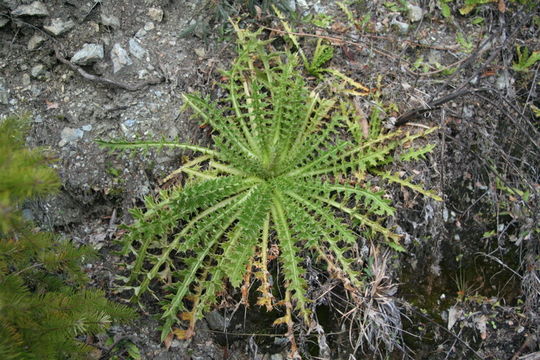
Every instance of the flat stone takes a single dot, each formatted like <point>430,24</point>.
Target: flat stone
<point>88,54</point>
<point>402,27</point>
<point>69,135</point>
<point>26,79</point>
<point>200,52</point>
<point>10,4</point>
<point>38,71</point>
<point>110,20</point>
<point>415,13</point>
<point>302,5</point>
<point>143,74</point>
<point>290,4</point>
<point>502,81</point>
<point>120,58</point>
<point>149,26</point>
<point>36,8</point>
<point>59,26</point>
<point>136,49</point>
<point>155,14</point>
<point>35,41</point>
<point>140,34</point>
<point>216,321</point>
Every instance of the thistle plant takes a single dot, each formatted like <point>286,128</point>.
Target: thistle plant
<point>283,181</point>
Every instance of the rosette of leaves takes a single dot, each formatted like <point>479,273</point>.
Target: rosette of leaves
<point>281,181</point>
<point>44,304</point>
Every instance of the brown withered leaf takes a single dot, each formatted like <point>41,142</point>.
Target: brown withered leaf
<point>362,119</point>
<point>502,6</point>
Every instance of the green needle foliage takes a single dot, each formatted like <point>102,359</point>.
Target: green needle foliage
<point>44,305</point>
<point>282,180</point>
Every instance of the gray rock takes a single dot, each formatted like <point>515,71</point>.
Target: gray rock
<point>200,52</point>
<point>468,112</point>
<point>3,21</point>
<point>277,356</point>
<point>401,26</point>
<point>28,215</point>
<point>10,4</point>
<point>216,321</point>
<point>143,74</point>
<point>35,42</point>
<point>38,71</point>
<point>119,57</point>
<point>26,79</point>
<point>140,34</point>
<point>415,13</point>
<point>149,26</point>
<point>4,93</point>
<point>302,5</point>
<point>502,81</point>
<point>130,122</point>
<point>59,26</point>
<point>155,14</point>
<point>136,49</point>
<point>290,4</point>
<point>69,135</point>
<point>110,20</point>
<point>36,8</point>
<point>88,54</point>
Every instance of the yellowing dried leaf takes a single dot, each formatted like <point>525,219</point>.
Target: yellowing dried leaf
<point>362,119</point>
<point>282,320</point>
<point>183,334</point>
<point>186,316</point>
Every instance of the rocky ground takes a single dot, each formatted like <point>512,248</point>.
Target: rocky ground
<point>468,285</point>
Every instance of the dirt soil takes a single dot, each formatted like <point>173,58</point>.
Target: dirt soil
<point>468,285</point>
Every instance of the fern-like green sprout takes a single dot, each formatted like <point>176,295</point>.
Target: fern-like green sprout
<point>281,178</point>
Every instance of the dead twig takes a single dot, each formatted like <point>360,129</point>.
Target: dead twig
<point>103,80</point>
<point>334,40</point>
<point>432,105</point>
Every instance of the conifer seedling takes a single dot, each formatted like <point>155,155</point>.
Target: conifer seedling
<point>46,309</point>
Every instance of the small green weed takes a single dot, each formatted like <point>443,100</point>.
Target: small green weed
<point>362,24</point>
<point>321,20</point>
<point>445,8</point>
<point>525,59</point>
<point>322,54</point>
<point>397,6</point>
<point>470,5</point>
<point>123,350</point>
<point>466,45</point>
